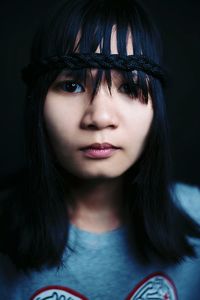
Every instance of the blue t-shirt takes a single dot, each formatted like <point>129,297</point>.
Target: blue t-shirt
<point>100,267</point>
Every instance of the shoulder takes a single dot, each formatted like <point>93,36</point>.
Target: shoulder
<point>188,198</point>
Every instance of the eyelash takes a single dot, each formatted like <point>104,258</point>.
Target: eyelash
<point>128,90</point>
<point>73,85</point>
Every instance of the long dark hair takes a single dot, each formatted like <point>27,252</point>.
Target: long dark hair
<point>34,223</point>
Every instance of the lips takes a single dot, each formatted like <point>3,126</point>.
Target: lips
<point>99,146</point>
<point>99,151</point>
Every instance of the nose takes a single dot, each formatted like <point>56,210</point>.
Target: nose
<point>101,112</point>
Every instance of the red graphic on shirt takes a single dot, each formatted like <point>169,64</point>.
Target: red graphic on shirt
<point>156,286</point>
<point>57,293</point>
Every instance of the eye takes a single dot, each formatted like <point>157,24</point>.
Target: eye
<point>129,90</point>
<point>125,88</point>
<point>71,87</point>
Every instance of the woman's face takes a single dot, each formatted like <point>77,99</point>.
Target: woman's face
<point>74,122</point>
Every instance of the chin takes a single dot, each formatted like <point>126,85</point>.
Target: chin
<point>97,175</point>
<point>101,171</point>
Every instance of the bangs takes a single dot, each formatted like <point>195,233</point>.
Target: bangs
<point>133,84</point>
<point>87,27</point>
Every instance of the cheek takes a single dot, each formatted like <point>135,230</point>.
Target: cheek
<point>138,127</point>
<point>141,125</point>
<point>59,123</point>
<point>139,120</point>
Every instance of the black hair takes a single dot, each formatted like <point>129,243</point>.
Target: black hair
<point>34,224</point>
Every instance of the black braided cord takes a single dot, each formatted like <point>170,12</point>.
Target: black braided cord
<point>77,61</point>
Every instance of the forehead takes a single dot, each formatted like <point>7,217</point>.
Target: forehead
<point>113,42</point>
<point>113,50</point>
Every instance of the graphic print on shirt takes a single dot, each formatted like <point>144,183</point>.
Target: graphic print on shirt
<point>57,293</point>
<point>157,286</point>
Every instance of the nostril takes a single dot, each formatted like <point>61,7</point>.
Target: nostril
<point>95,119</point>
<point>91,126</point>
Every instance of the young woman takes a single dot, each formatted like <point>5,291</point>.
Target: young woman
<point>96,215</point>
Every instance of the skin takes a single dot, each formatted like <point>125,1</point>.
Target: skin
<point>73,121</point>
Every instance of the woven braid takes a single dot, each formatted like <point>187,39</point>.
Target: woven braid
<point>77,61</point>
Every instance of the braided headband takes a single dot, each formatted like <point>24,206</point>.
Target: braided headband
<point>78,61</point>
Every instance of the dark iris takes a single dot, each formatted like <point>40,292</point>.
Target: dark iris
<point>130,90</point>
<point>72,87</point>
<point>125,88</point>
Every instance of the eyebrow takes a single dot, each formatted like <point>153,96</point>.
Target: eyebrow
<point>80,74</point>
<point>67,73</point>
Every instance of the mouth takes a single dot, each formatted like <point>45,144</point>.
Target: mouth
<point>99,151</point>
<point>99,146</point>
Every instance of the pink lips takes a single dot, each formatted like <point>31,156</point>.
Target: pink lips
<point>99,150</point>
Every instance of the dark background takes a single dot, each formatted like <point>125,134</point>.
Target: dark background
<point>179,24</point>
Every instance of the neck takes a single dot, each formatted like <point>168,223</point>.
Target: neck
<point>96,204</point>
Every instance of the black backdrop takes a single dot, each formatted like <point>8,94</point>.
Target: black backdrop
<point>179,24</point>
